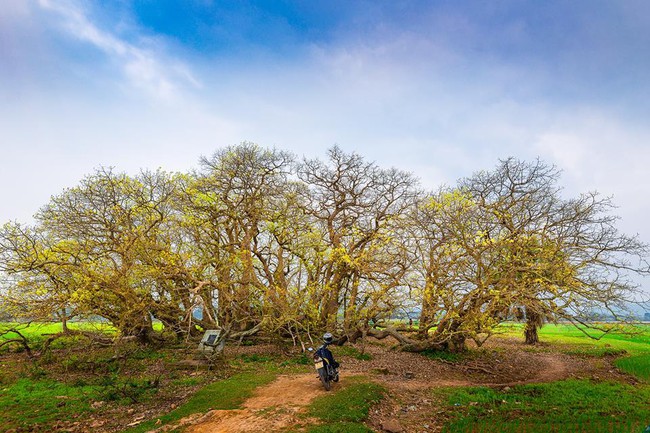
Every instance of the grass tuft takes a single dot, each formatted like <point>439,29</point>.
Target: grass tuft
<point>445,356</point>
<point>350,404</point>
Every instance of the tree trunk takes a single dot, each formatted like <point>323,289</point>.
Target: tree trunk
<point>530,331</point>
<point>534,321</point>
<point>428,312</point>
<point>349,320</point>
<point>456,344</point>
<point>448,335</point>
<point>64,323</point>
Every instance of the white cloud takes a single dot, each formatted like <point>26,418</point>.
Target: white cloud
<point>565,148</point>
<point>145,68</point>
<point>597,150</point>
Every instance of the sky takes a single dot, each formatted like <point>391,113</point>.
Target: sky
<point>438,88</point>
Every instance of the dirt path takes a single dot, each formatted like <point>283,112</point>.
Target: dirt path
<point>279,404</point>
<point>271,408</point>
<point>408,378</point>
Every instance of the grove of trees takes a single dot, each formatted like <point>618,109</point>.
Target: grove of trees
<point>256,240</point>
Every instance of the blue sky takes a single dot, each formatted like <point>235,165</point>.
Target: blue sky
<point>439,88</point>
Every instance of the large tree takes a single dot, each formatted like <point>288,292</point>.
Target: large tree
<point>97,247</point>
<point>42,278</point>
<point>506,242</point>
<point>358,208</point>
<point>559,258</point>
<point>231,201</point>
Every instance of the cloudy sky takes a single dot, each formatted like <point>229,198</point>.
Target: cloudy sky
<point>439,88</point>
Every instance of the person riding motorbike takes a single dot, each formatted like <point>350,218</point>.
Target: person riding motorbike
<point>327,354</point>
<point>326,365</point>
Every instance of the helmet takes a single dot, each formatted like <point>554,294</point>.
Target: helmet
<point>328,338</point>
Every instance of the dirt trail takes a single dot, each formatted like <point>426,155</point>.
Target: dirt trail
<point>271,408</point>
<point>280,403</point>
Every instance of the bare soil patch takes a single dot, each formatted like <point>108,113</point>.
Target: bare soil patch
<point>492,367</point>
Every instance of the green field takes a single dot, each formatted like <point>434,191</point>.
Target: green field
<point>36,333</point>
<point>631,344</point>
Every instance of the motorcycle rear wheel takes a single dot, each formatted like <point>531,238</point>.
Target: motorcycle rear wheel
<point>324,379</point>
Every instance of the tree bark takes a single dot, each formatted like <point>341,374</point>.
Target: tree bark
<point>533,322</point>
<point>530,331</point>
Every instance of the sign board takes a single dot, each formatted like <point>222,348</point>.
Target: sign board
<point>210,342</point>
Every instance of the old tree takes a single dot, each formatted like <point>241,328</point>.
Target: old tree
<point>257,241</point>
<point>505,243</point>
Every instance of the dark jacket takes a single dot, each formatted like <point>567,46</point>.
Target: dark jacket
<point>325,353</point>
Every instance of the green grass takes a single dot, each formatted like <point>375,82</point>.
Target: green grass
<point>273,362</point>
<point>344,410</point>
<point>629,338</point>
<point>29,404</point>
<point>637,365</point>
<point>37,333</point>
<point>340,427</point>
<point>226,394</point>
<point>565,406</point>
<point>445,356</point>
<point>255,358</point>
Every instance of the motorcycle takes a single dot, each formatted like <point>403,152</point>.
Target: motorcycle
<point>327,373</point>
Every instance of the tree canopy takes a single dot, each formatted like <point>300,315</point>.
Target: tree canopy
<point>256,239</point>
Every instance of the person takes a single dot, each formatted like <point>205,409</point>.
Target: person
<point>327,340</point>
